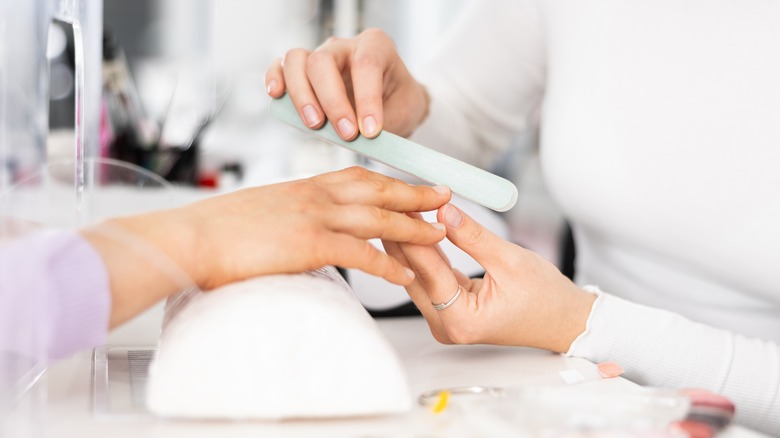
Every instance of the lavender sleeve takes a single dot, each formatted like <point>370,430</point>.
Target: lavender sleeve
<point>54,295</point>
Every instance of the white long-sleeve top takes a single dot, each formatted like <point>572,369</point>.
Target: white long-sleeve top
<point>660,139</point>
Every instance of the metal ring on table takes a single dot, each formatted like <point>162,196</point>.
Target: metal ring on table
<point>428,397</point>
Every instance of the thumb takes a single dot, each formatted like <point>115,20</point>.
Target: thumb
<point>470,236</point>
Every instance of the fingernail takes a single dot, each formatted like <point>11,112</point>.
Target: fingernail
<point>311,116</point>
<point>439,226</point>
<point>609,369</point>
<point>444,190</point>
<point>346,128</point>
<point>452,216</point>
<point>369,126</point>
<point>271,86</point>
<point>409,273</point>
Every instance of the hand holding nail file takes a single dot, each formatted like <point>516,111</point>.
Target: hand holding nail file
<point>468,181</point>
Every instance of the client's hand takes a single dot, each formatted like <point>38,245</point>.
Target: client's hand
<point>523,300</point>
<point>280,228</point>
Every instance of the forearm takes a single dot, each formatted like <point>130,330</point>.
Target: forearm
<point>660,348</point>
<point>144,257</point>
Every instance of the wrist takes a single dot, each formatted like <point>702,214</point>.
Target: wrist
<point>576,310</point>
<point>169,233</point>
<point>141,268</point>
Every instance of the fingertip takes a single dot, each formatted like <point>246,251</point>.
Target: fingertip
<point>471,236</point>
<point>312,117</point>
<point>369,126</point>
<point>450,216</point>
<point>346,128</point>
<point>274,89</point>
<point>442,190</point>
<point>440,233</point>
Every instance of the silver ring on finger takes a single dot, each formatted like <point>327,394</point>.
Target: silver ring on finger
<point>442,306</point>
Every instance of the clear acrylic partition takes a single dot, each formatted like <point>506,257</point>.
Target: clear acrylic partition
<point>24,95</point>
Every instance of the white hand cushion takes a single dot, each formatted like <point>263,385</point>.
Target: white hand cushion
<point>283,346</point>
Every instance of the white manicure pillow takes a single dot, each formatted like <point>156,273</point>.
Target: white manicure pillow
<point>277,347</point>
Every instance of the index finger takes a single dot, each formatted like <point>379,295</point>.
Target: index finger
<point>357,185</point>
<point>394,196</point>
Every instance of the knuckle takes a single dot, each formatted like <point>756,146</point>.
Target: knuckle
<point>358,173</point>
<point>316,59</point>
<point>374,33</point>
<point>476,236</point>
<point>378,186</point>
<point>367,61</point>
<point>423,274</point>
<point>421,195</point>
<point>379,215</point>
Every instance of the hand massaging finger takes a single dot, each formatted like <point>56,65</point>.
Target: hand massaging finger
<point>468,181</point>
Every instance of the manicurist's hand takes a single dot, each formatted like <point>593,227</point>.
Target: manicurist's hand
<point>359,84</point>
<point>281,228</point>
<point>523,299</point>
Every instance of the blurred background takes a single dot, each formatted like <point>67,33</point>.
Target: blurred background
<point>184,97</point>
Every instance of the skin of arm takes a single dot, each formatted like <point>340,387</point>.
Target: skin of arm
<point>281,228</point>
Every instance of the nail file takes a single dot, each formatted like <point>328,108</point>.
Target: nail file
<point>468,181</point>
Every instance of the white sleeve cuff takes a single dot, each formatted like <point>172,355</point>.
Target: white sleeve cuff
<point>582,338</point>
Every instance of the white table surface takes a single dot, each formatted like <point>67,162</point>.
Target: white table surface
<point>429,365</point>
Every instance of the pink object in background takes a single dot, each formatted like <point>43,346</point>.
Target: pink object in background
<point>106,131</point>
<point>609,369</point>
<point>709,413</point>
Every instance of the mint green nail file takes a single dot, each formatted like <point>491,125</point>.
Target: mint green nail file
<point>468,181</point>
